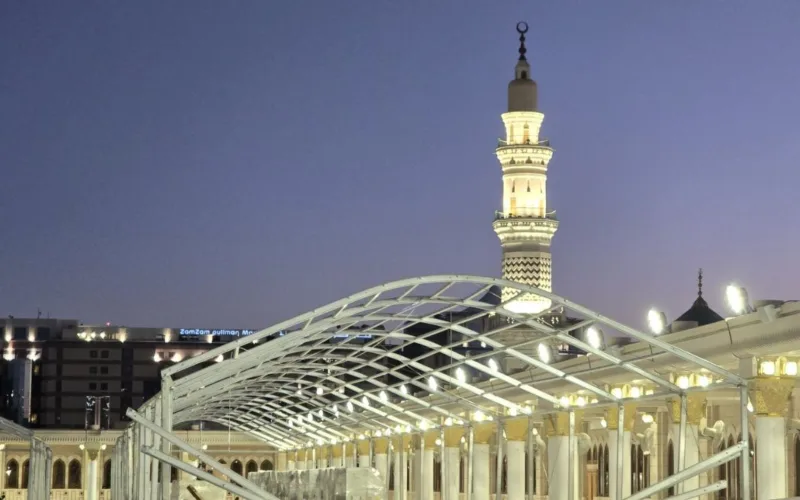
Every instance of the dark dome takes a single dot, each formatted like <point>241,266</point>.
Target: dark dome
<point>700,313</point>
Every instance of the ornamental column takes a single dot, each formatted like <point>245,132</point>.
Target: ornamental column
<point>770,397</point>
<point>336,456</point>
<point>614,428</point>
<point>349,455</point>
<point>516,440</point>
<point>695,411</point>
<point>481,475</point>
<point>282,464</point>
<point>559,454</point>
<point>91,475</point>
<point>291,463</point>
<point>400,446</point>
<point>451,463</point>
<point>381,446</point>
<point>427,450</point>
<point>363,453</point>
<point>321,456</point>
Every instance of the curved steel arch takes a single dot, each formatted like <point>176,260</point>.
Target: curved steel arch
<point>409,372</point>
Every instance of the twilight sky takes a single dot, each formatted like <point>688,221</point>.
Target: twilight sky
<point>201,163</point>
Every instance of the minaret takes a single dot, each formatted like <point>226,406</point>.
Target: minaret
<point>525,226</point>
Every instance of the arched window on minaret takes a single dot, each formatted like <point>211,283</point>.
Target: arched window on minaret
<point>510,138</point>
<point>526,134</point>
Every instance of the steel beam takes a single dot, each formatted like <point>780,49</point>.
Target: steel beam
<point>207,459</point>
<point>711,488</point>
<point>720,458</point>
<point>229,487</point>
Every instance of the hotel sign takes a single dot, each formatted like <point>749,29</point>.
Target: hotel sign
<point>196,332</point>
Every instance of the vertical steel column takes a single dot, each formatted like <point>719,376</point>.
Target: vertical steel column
<point>390,471</point>
<point>155,442</point>
<point>166,446</point>
<point>400,472</point>
<point>498,487</point>
<point>444,488</point>
<point>138,492</point>
<point>572,454</point>
<point>682,442</point>
<point>128,461</point>
<point>529,458</point>
<point>470,463</point>
<point>745,423</point>
<point>620,450</point>
<point>371,458</point>
<point>419,474</point>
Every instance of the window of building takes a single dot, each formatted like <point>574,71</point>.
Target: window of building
<point>92,370</point>
<point>92,386</point>
<point>104,370</point>
<point>93,354</point>
<point>104,354</point>
<point>104,386</point>
<point>20,333</point>
<point>43,333</point>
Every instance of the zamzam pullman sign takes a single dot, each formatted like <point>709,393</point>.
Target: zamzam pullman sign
<point>192,332</point>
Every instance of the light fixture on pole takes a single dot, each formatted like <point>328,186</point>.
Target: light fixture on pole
<point>656,321</point>
<point>545,353</point>
<point>737,300</point>
<point>594,337</point>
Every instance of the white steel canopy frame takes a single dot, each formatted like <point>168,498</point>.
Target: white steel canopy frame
<point>405,356</point>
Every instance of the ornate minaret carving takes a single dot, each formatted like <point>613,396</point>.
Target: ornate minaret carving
<point>525,225</point>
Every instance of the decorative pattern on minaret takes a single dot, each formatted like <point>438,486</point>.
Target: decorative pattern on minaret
<point>524,225</point>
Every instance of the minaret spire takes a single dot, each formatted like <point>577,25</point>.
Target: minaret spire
<point>522,28</point>
<point>525,225</point>
<point>700,282</point>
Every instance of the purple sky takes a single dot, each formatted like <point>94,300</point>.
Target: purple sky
<point>230,164</point>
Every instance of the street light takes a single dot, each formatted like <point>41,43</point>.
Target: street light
<point>656,321</point>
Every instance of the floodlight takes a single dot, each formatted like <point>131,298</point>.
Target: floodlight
<point>493,365</point>
<point>432,383</point>
<point>545,355</point>
<point>736,297</point>
<point>384,396</point>
<point>350,406</point>
<point>656,321</point>
<point>461,375</point>
<point>404,389</point>
<point>594,337</point>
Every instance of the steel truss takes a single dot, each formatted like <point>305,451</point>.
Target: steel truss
<point>40,462</point>
<point>393,359</point>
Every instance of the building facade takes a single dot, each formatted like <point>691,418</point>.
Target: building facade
<point>60,373</point>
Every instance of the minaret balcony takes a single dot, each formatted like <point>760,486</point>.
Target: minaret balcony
<point>500,215</point>
<point>544,143</point>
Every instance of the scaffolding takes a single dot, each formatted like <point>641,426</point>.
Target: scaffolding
<point>406,357</point>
